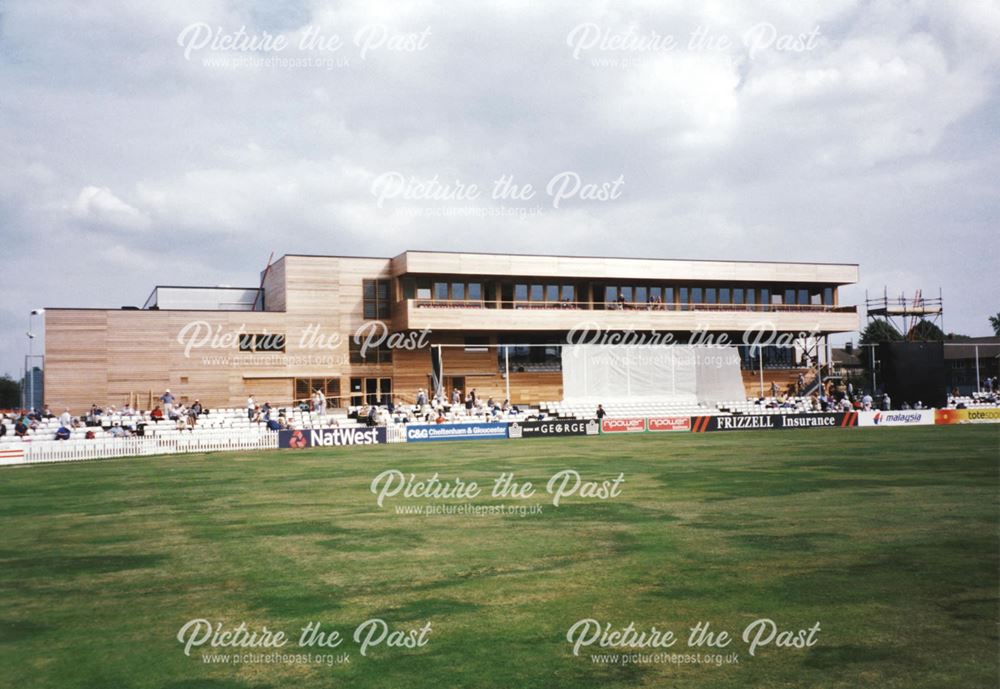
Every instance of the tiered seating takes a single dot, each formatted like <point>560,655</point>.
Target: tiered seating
<point>977,400</point>
<point>620,409</point>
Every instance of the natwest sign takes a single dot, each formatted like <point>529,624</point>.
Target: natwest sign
<point>623,425</point>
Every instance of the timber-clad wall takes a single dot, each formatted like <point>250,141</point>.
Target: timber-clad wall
<point>111,356</point>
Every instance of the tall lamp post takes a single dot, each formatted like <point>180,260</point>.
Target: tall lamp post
<point>28,365</point>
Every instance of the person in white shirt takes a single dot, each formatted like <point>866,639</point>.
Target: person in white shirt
<point>866,402</point>
<point>65,420</point>
<point>251,405</point>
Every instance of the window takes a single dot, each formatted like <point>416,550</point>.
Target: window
<point>266,342</point>
<point>370,391</point>
<point>520,293</point>
<point>724,295</point>
<point>458,291</point>
<point>765,296</point>
<point>423,288</point>
<point>738,295</point>
<point>475,291</point>
<point>610,294</point>
<point>656,293</point>
<point>751,295</point>
<point>789,296</point>
<point>684,298</point>
<point>381,354</point>
<point>668,295</point>
<point>376,298</point>
<point>552,293</point>
<point>641,295</point>
<point>803,297</point>
<point>828,296</point>
<point>568,293</point>
<point>627,293</point>
<point>710,295</point>
<point>537,293</point>
<point>441,290</point>
<point>330,387</point>
<point>696,295</point>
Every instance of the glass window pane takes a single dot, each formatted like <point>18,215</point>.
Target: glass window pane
<point>568,293</point>
<point>828,296</point>
<point>641,295</point>
<point>475,291</point>
<point>668,295</point>
<point>738,295</point>
<point>684,297</point>
<point>696,295</point>
<point>765,296</point>
<point>656,293</point>
<point>458,290</point>
<point>803,297</point>
<point>789,296</point>
<point>440,290</point>
<point>710,295</point>
<point>610,294</point>
<point>552,293</point>
<point>382,289</point>
<point>536,293</point>
<point>627,293</point>
<point>368,287</point>
<point>370,310</point>
<point>520,292</point>
<point>724,296</point>
<point>423,293</point>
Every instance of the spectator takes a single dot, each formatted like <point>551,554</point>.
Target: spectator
<point>21,427</point>
<point>156,415</point>
<point>800,384</point>
<point>866,402</point>
<point>89,435</point>
<point>774,388</point>
<point>168,402</point>
<point>886,402</point>
<point>65,420</point>
<point>266,411</point>
<point>63,433</point>
<point>118,432</point>
<point>3,428</point>
<point>251,406</point>
<point>600,413</point>
<point>47,413</point>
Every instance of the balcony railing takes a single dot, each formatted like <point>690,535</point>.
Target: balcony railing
<point>627,306</point>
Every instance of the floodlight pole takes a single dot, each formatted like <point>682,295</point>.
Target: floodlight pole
<point>760,368</point>
<point>506,370</point>
<point>979,386</point>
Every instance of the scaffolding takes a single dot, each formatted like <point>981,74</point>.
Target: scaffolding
<point>904,313</point>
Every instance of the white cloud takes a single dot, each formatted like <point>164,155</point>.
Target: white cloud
<point>98,206</point>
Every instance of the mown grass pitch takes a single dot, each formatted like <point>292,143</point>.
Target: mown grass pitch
<point>886,537</point>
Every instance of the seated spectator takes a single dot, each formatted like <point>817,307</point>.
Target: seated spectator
<point>118,432</point>
<point>21,427</point>
<point>63,433</point>
<point>273,425</point>
<point>156,415</point>
<point>47,413</point>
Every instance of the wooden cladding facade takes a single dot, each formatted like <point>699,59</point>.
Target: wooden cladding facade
<point>110,356</point>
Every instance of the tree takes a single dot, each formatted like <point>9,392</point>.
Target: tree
<point>995,322</point>
<point>879,331</point>
<point>925,331</point>
<point>10,393</point>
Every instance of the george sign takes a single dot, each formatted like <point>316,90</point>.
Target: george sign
<point>455,431</point>
<point>668,423</point>
<point>543,429</point>
<point>915,417</point>
<point>623,425</point>
<point>329,437</point>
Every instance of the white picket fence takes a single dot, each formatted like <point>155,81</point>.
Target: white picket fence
<point>72,451</point>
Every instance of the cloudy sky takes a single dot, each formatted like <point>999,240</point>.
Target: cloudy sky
<point>182,142</point>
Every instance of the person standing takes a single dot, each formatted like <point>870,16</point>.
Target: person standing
<point>251,405</point>
<point>168,402</point>
<point>600,412</point>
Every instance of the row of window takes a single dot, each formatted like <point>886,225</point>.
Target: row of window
<point>645,294</point>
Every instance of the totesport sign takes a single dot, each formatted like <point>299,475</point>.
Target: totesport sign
<point>951,416</point>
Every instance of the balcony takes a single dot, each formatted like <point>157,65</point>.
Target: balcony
<point>452,315</point>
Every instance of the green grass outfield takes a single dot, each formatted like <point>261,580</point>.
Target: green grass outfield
<point>887,537</point>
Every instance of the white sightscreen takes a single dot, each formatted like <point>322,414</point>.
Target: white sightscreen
<point>680,372</point>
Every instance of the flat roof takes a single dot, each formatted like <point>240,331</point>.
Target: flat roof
<point>570,256</point>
